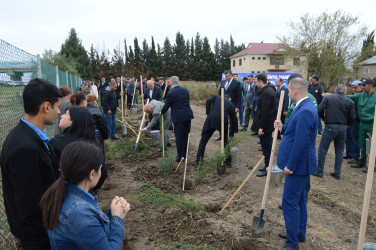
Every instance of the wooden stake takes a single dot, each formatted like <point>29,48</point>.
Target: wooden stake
<point>181,160</point>
<point>142,91</point>
<point>134,92</point>
<point>142,122</point>
<point>125,108</point>
<point>164,92</point>
<point>122,98</point>
<point>368,188</point>
<point>162,136</point>
<point>222,122</point>
<point>131,128</point>
<point>186,162</point>
<point>245,181</point>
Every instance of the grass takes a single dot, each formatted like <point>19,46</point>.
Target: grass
<point>180,245</point>
<point>124,147</point>
<point>200,92</point>
<point>157,198</point>
<point>167,163</point>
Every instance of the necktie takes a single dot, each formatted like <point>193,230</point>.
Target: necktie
<point>226,86</point>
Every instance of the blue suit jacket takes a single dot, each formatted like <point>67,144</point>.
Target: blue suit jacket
<point>285,105</point>
<point>178,99</point>
<point>297,149</point>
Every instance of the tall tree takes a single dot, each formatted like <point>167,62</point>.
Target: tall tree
<point>137,54</point>
<point>168,67</point>
<point>180,55</point>
<point>329,41</point>
<point>153,58</point>
<point>72,47</point>
<point>208,61</point>
<point>145,52</point>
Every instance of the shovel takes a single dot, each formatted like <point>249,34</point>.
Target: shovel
<point>135,149</point>
<point>258,224</point>
<point>123,127</point>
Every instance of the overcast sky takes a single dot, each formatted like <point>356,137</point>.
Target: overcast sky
<point>40,24</point>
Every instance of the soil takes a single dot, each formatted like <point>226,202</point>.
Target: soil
<point>334,206</point>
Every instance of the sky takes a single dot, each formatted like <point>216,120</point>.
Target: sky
<point>36,25</point>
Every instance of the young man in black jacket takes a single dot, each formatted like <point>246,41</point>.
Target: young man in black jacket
<point>29,166</point>
<point>266,115</point>
<point>109,104</point>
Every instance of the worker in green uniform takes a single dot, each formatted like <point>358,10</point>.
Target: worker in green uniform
<point>365,102</point>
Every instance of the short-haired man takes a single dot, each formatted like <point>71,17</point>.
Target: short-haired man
<point>279,87</point>
<point>248,95</point>
<point>297,158</point>
<point>29,166</point>
<point>316,90</point>
<point>338,112</point>
<point>152,92</point>
<point>129,86</point>
<point>352,132</point>
<point>110,104</point>
<point>266,117</point>
<point>86,87</point>
<point>93,88</point>
<point>365,102</point>
<point>181,113</point>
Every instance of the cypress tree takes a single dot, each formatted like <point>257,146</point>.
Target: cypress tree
<point>180,55</point>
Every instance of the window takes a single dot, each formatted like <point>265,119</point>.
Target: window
<point>258,71</point>
<point>240,62</point>
<point>253,72</point>
<point>258,58</point>
<point>253,58</point>
<point>233,63</point>
<point>366,69</point>
<point>264,58</point>
<point>277,60</point>
<point>296,61</point>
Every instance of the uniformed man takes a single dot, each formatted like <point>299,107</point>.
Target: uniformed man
<point>365,102</point>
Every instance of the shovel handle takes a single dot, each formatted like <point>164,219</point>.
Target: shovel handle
<point>275,135</point>
<point>142,122</point>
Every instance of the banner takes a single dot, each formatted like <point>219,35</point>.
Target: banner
<point>271,76</point>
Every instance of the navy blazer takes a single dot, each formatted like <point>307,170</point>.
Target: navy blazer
<point>157,94</point>
<point>178,99</point>
<point>234,90</point>
<point>297,149</point>
<point>285,105</point>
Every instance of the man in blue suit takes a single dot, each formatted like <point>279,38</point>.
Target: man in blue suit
<point>181,112</point>
<point>280,86</point>
<point>297,158</point>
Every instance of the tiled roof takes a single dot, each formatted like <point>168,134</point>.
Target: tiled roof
<point>371,60</point>
<point>260,48</point>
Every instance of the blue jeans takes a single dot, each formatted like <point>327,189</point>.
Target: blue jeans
<point>336,133</point>
<point>352,141</point>
<point>111,124</point>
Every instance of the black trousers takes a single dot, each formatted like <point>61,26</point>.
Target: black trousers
<point>36,244</point>
<point>266,145</point>
<point>129,101</point>
<point>181,130</point>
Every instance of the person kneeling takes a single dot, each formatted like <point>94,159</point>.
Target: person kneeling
<point>71,214</point>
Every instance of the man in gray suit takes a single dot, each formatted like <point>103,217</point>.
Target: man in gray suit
<point>154,108</point>
<point>248,101</point>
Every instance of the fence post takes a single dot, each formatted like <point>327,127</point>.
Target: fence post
<point>66,74</point>
<point>39,66</point>
<point>57,77</point>
<point>72,84</point>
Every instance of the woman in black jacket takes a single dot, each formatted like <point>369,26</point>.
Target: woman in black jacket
<point>100,123</point>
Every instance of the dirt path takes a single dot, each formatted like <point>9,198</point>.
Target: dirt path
<point>334,206</point>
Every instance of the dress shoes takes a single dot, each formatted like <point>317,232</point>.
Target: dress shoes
<point>352,161</point>
<point>280,206</point>
<point>365,170</point>
<point>260,149</point>
<point>168,144</point>
<point>258,142</point>
<point>318,175</point>
<point>283,235</point>
<point>346,157</point>
<point>262,169</point>
<point>335,175</point>
<point>159,150</point>
<point>218,138</point>
<point>254,133</point>
<point>262,174</point>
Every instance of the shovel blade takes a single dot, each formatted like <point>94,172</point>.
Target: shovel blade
<point>258,225</point>
<point>124,129</point>
<point>135,149</point>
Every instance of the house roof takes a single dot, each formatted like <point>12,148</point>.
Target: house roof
<point>261,48</point>
<point>371,60</point>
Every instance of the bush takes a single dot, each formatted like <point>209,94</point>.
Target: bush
<point>124,146</point>
<point>167,163</point>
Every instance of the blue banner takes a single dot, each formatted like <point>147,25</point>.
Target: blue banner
<point>271,76</point>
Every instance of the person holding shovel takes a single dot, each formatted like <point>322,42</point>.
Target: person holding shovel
<point>297,158</point>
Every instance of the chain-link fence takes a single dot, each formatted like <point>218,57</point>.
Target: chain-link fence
<point>17,68</point>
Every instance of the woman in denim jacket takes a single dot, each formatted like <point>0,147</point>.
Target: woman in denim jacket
<point>71,214</point>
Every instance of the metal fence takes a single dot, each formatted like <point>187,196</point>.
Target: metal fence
<point>17,68</point>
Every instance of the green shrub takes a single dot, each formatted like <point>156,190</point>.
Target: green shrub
<point>167,163</point>
<point>124,147</point>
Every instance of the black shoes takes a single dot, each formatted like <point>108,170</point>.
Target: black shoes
<point>336,176</point>
<point>280,207</point>
<point>159,150</point>
<point>262,174</point>
<point>262,169</point>
<point>352,161</point>
<point>291,248</point>
<point>365,170</point>
<point>260,149</point>
<point>218,138</point>
<point>283,235</point>
<point>168,144</point>
<point>318,175</point>
<point>254,133</point>
<point>346,157</point>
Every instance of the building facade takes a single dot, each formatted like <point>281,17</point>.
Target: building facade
<point>367,68</point>
<point>269,58</point>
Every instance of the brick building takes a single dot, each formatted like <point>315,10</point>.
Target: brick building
<point>367,68</point>
<point>269,58</point>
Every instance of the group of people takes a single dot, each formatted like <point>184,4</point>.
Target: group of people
<point>49,192</point>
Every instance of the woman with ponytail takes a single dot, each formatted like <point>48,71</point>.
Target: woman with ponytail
<point>71,214</point>
<point>78,99</point>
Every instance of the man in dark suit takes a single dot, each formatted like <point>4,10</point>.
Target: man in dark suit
<point>266,117</point>
<point>280,86</point>
<point>181,112</point>
<point>255,98</point>
<point>102,86</point>
<point>248,102</point>
<point>213,123</point>
<point>129,87</point>
<point>29,166</point>
<point>233,88</point>
<point>152,92</point>
<point>297,158</point>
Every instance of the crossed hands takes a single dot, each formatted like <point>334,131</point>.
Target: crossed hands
<point>119,207</point>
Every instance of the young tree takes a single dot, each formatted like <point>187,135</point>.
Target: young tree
<point>329,42</point>
<point>72,47</point>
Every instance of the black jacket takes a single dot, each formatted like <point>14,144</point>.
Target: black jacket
<point>109,101</point>
<point>178,100</point>
<point>28,168</point>
<point>316,91</point>
<point>213,111</point>
<point>157,94</point>
<point>234,90</point>
<point>59,142</point>
<point>100,123</point>
<point>266,109</point>
<point>337,109</point>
